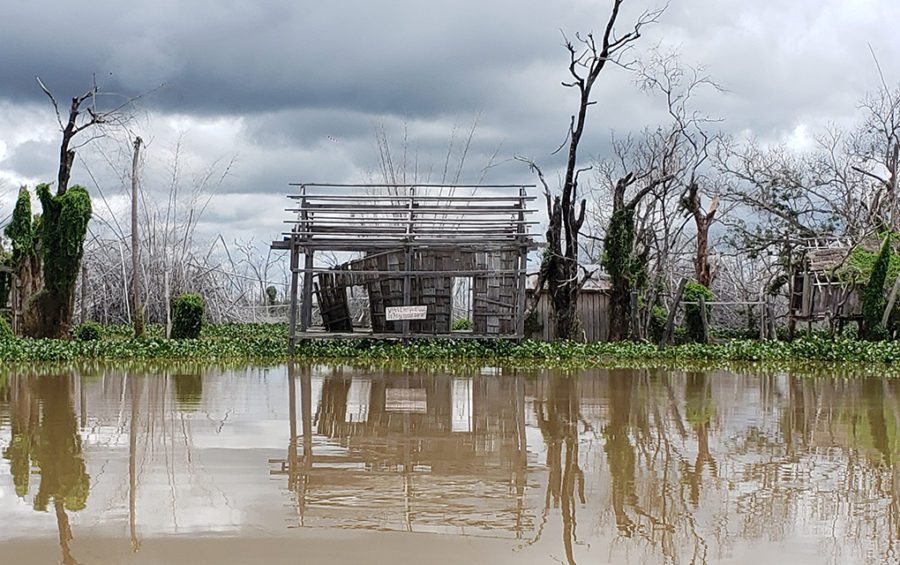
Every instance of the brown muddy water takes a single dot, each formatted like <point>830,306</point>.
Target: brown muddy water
<point>370,465</point>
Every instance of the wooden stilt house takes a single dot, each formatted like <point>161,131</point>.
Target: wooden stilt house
<point>409,249</point>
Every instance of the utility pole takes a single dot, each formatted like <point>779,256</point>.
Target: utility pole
<point>138,316</point>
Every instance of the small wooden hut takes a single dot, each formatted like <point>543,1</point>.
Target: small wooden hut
<point>404,247</point>
<point>817,292</point>
<point>592,309</point>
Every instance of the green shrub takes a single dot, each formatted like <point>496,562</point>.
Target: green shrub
<point>658,318</point>
<point>462,324</point>
<point>692,320</point>
<point>5,331</point>
<point>187,316</point>
<point>873,299</point>
<point>89,331</point>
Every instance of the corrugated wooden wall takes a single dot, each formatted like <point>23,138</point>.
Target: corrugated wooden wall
<point>592,311</point>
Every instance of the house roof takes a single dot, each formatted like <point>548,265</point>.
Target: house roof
<point>598,282</point>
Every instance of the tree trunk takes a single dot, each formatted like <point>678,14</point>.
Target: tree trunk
<point>559,269</point>
<point>703,221</point>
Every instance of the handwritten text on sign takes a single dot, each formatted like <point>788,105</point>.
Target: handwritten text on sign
<point>395,313</point>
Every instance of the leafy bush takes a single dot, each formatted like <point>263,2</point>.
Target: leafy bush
<point>658,318</point>
<point>462,324</point>
<point>89,331</point>
<point>271,295</point>
<point>6,332</point>
<point>693,291</point>
<point>187,316</point>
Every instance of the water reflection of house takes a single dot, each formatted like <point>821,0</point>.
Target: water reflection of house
<point>410,452</point>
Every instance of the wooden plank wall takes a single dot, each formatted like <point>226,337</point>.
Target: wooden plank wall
<point>592,312</point>
<point>494,296</point>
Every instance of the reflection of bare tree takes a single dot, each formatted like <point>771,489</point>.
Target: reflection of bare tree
<point>699,411</point>
<point>23,425</point>
<point>558,418</point>
<point>647,467</point>
<point>58,455</point>
<point>619,450</point>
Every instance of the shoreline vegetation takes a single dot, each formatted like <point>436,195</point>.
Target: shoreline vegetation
<point>255,343</point>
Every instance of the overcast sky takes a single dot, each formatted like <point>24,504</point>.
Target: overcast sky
<point>294,90</point>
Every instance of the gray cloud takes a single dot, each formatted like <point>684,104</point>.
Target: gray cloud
<point>296,89</point>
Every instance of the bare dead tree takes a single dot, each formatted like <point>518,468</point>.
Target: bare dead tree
<point>703,219</point>
<point>559,270</point>
<point>75,123</point>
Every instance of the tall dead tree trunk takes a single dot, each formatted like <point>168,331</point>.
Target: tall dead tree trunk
<point>560,265</point>
<point>703,221</point>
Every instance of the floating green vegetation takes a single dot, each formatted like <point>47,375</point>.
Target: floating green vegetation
<point>264,342</point>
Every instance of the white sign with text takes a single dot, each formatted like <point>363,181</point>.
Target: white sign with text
<point>396,313</point>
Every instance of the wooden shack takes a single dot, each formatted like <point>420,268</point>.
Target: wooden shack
<point>11,307</point>
<point>817,292</point>
<point>592,310</point>
<point>405,246</point>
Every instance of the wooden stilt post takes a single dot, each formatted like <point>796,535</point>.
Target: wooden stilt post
<point>306,304</point>
<point>521,278</point>
<point>292,325</point>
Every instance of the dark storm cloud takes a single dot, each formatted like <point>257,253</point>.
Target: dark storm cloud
<point>240,57</point>
<point>297,89</point>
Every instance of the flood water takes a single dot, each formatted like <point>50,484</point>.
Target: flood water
<point>337,464</point>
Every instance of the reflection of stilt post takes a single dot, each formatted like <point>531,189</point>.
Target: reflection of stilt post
<point>521,465</point>
<point>134,393</point>
<point>306,414</point>
<point>292,445</point>
<point>407,466</point>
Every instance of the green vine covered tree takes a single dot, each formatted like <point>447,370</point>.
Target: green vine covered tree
<point>62,233</point>
<point>626,268</point>
<point>873,299</point>
<point>23,232</point>
<point>619,261</point>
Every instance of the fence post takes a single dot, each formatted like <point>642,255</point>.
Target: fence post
<point>670,320</point>
<point>762,316</point>
<point>770,319</point>
<point>704,321</point>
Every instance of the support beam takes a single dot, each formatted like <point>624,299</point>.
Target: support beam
<point>521,278</point>
<point>306,305</point>
<point>292,328</point>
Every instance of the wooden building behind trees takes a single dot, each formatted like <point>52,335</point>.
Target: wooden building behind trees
<point>408,248</point>
<point>822,288</point>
